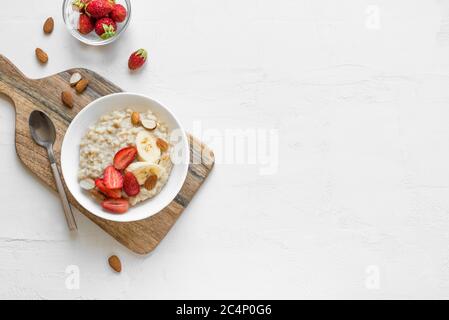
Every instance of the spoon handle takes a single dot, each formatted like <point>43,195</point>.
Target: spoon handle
<point>65,203</point>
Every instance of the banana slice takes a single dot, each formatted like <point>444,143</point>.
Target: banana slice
<point>147,148</point>
<point>142,170</point>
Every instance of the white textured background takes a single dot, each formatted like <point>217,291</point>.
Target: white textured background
<point>363,116</point>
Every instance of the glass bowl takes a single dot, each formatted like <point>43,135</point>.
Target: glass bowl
<point>71,17</point>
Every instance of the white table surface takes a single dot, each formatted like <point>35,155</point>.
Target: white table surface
<point>359,208</point>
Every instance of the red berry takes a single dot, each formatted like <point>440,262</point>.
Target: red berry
<point>137,59</point>
<point>118,14</point>
<point>112,179</point>
<point>115,205</point>
<point>124,157</point>
<point>85,24</point>
<point>99,8</point>
<point>105,28</point>
<point>114,194</point>
<point>130,185</point>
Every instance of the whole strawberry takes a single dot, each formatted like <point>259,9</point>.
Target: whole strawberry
<point>137,59</point>
<point>85,24</point>
<point>118,14</point>
<point>99,8</point>
<point>105,28</point>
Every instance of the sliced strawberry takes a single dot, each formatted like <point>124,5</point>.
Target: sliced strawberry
<point>124,157</point>
<point>112,179</point>
<point>114,193</point>
<point>130,185</point>
<point>115,205</point>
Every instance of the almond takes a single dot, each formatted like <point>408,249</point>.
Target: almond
<point>162,144</point>
<point>97,195</point>
<point>81,85</point>
<point>135,118</point>
<point>115,263</point>
<point>151,181</point>
<point>87,184</point>
<point>67,99</point>
<point>49,25</point>
<point>75,78</point>
<point>149,124</point>
<point>41,55</point>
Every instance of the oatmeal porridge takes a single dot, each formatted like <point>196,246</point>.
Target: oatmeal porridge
<point>125,159</point>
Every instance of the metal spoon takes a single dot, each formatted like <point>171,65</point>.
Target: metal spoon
<point>44,134</point>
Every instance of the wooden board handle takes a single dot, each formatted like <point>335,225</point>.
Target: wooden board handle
<point>11,78</point>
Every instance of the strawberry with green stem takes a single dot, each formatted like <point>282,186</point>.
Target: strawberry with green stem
<point>105,28</point>
<point>80,5</point>
<point>137,59</point>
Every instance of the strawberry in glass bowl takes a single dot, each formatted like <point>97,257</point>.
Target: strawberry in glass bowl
<point>97,22</point>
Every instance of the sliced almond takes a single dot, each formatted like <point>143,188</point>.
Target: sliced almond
<point>67,99</point>
<point>75,78</point>
<point>151,182</point>
<point>41,55</point>
<point>149,124</point>
<point>162,144</point>
<point>49,25</point>
<point>115,263</point>
<point>135,118</point>
<point>87,184</point>
<point>81,85</point>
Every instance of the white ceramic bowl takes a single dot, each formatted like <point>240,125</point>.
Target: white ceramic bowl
<point>87,117</point>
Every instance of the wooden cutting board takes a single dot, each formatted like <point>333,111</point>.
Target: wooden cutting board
<point>45,95</point>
